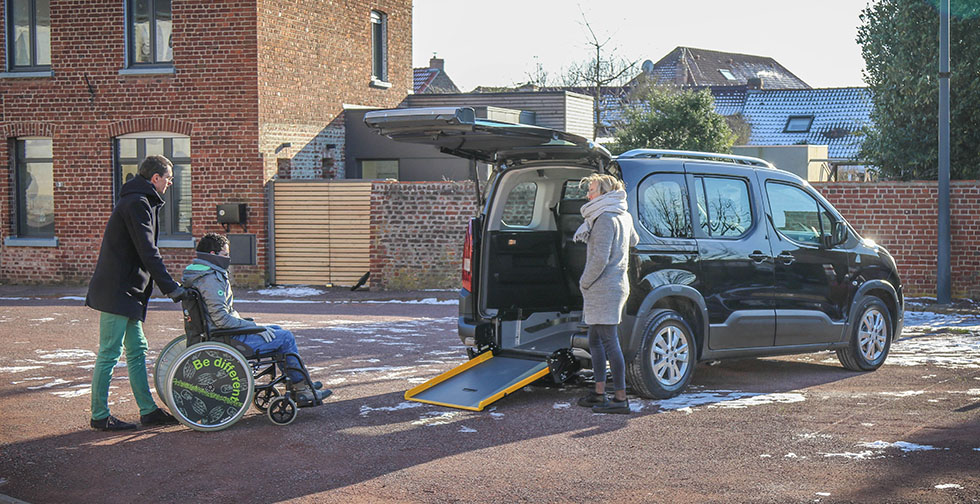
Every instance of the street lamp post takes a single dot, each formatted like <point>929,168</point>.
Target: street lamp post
<point>943,270</point>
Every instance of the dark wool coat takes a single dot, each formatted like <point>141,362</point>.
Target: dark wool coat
<point>129,257</point>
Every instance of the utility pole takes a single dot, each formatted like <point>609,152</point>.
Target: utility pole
<point>943,270</point>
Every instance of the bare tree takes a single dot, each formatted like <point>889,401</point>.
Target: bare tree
<point>603,69</point>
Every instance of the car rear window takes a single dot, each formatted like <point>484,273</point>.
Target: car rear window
<point>572,191</point>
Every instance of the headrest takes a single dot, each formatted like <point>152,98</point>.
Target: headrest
<point>571,206</point>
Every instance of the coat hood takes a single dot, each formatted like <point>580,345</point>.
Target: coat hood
<point>139,185</point>
<point>199,268</point>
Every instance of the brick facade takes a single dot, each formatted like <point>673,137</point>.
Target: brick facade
<point>249,77</point>
<point>902,217</point>
<point>417,232</point>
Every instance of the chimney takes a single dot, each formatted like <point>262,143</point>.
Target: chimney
<point>436,63</point>
<point>754,83</point>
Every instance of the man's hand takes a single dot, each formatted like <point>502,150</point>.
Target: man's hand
<point>178,294</point>
<point>268,335</point>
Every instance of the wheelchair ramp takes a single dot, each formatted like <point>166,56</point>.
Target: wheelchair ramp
<point>479,382</point>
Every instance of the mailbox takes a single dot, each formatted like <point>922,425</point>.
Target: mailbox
<point>232,213</point>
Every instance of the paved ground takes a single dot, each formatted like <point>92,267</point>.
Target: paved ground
<point>791,429</point>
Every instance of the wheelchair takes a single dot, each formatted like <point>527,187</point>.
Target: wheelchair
<point>208,379</point>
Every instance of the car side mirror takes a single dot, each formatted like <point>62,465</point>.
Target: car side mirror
<point>837,235</point>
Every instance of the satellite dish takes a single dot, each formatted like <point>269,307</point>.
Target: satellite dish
<point>647,67</point>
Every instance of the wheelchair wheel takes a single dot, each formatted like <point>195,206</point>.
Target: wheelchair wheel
<point>164,361</point>
<point>263,397</point>
<point>282,410</point>
<point>209,386</point>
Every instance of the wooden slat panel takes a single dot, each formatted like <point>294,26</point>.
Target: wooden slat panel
<point>322,231</point>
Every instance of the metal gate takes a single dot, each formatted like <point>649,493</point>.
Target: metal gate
<point>321,232</point>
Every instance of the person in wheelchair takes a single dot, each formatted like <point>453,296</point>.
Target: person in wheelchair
<point>208,273</point>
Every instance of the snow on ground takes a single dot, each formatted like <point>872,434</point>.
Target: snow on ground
<point>296,291</point>
<point>917,319</point>
<point>727,399</point>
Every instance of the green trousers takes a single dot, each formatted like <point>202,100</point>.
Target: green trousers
<point>115,333</point>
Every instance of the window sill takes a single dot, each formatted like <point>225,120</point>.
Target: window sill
<point>176,243</point>
<point>15,241</point>
<point>27,75</point>
<point>148,71</point>
<point>380,83</point>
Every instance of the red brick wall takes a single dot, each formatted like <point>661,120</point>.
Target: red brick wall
<point>314,57</point>
<point>903,218</point>
<point>417,232</point>
<point>233,59</point>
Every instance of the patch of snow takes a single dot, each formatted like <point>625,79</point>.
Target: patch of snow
<point>335,381</point>
<point>372,361</point>
<point>43,319</point>
<point>561,405</point>
<point>636,406</point>
<point>906,393</point>
<point>466,429</point>
<point>765,455</point>
<point>823,494</point>
<point>272,301</point>
<point>914,319</point>
<point>417,380</point>
<point>426,301</point>
<point>365,409</point>
<point>863,455</point>
<point>376,369</point>
<point>901,445</point>
<point>76,391</point>
<point>282,291</point>
<point>18,369</point>
<point>56,382</point>
<point>71,353</point>
<point>944,486</point>
<point>867,424</point>
<point>433,418</point>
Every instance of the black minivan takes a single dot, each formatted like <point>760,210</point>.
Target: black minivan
<point>736,258</point>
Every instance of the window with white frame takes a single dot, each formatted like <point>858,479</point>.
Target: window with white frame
<point>175,218</point>
<point>34,188</point>
<point>28,35</point>
<point>379,46</point>
<point>149,32</point>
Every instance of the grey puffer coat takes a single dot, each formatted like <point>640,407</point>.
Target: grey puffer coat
<point>604,282</point>
<point>213,283</point>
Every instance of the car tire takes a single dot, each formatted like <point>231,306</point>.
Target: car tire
<point>871,337</point>
<point>664,364</point>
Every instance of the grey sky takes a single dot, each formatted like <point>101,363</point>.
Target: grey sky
<point>497,43</point>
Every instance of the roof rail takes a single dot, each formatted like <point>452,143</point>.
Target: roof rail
<point>707,156</point>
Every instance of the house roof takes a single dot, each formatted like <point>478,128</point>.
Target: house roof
<point>838,115</point>
<point>432,80</point>
<point>688,66</point>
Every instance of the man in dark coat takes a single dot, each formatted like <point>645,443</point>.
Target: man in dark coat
<point>120,289</point>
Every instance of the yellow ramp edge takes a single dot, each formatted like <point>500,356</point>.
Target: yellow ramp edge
<point>411,394</point>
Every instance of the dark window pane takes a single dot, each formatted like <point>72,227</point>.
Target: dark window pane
<point>22,33</point>
<point>142,43</point>
<point>663,206</point>
<point>378,43</point>
<point>35,189</point>
<point>729,213</point>
<point>43,32</point>
<point>794,212</point>
<point>164,27</point>
<point>182,198</point>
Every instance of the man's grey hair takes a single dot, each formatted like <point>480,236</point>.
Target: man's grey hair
<point>155,165</point>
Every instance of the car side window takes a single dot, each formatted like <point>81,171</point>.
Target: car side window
<point>663,208</point>
<point>723,206</point>
<point>795,213</point>
<point>519,209</point>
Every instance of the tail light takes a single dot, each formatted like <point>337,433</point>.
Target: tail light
<point>467,274</point>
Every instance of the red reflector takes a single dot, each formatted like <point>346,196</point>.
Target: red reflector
<point>467,273</point>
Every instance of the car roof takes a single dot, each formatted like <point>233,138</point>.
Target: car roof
<point>743,161</point>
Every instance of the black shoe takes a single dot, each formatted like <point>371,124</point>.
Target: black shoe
<point>592,399</point>
<point>111,423</point>
<point>617,407</point>
<point>303,394</point>
<point>157,417</point>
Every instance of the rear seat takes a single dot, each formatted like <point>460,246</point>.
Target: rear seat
<point>568,220</point>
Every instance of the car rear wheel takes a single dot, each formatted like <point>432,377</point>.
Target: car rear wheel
<point>871,337</point>
<point>664,364</point>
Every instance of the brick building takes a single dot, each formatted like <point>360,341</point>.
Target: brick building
<point>234,91</point>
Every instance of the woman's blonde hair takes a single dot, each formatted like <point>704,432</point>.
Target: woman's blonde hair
<point>605,183</point>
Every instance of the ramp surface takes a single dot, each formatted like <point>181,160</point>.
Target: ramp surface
<point>479,382</point>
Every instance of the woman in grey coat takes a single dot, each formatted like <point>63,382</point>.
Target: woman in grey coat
<point>608,232</point>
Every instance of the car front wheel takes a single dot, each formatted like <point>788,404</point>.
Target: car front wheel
<point>664,365</point>
<point>871,337</point>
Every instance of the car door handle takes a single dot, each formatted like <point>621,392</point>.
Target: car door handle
<point>758,256</point>
<point>786,258</point>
